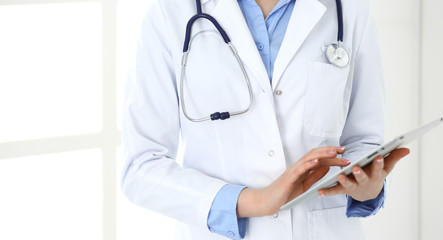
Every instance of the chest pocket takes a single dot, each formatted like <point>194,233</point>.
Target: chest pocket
<point>325,105</point>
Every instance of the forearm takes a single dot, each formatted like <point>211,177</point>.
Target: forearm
<point>164,187</point>
<point>247,204</point>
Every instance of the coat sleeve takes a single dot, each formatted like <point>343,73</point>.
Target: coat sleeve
<point>365,124</point>
<point>151,177</point>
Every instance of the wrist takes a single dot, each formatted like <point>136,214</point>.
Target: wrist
<point>246,204</point>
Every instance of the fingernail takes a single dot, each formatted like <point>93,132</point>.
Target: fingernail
<point>314,161</point>
<point>346,161</point>
<point>380,160</point>
<point>332,152</point>
<point>322,194</point>
<point>342,180</point>
<point>340,149</point>
<point>356,172</point>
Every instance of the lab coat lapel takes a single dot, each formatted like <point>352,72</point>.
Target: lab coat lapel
<point>304,18</point>
<point>229,16</point>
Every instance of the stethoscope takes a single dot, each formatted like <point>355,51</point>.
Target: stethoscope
<point>335,53</point>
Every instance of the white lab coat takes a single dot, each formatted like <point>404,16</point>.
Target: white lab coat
<point>319,105</point>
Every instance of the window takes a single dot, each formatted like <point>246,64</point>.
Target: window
<point>63,64</point>
<point>50,82</point>
<point>47,196</point>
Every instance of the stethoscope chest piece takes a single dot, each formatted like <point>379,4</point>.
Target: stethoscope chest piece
<point>337,55</point>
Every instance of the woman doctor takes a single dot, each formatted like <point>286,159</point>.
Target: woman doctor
<point>301,115</point>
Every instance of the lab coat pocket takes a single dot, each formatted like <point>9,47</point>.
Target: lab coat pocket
<point>325,108</point>
<point>332,224</point>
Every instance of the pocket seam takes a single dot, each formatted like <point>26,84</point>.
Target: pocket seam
<point>315,213</point>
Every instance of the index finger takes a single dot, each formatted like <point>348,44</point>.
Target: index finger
<point>323,153</point>
<point>333,162</point>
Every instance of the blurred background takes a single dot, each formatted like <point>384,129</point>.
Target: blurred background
<point>62,68</point>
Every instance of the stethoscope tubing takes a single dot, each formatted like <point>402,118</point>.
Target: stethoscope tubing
<point>340,21</point>
<point>333,58</point>
<point>212,20</point>
<point>225,114</point>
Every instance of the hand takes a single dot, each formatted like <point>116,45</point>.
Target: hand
<point>294,181</point>
<point>365,184</point>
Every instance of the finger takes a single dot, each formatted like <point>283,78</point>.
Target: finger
<point>314,176</point>
<point>377,167</point>
<point>337,189</point>
<point>341,149</point>
<point>394,157</point>
<point>300,170</point>
<point>360,175</point>
<point>333,162</point>
<point>321,165</point>
<point>323,152</point>
<point>347,182</point>
<point>311,159</point>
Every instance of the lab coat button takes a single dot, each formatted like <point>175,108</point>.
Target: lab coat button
<point>275,215</point>
<point>231,234</point>
<point>271,153</point>
<point>279,92</point>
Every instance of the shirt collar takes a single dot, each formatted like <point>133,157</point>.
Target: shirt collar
<point>280,4</point>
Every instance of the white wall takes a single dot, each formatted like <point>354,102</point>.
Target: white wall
<point>410,35</point>
<point>431,190</point>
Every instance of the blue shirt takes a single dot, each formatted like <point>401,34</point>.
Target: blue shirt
<point>268,35</point>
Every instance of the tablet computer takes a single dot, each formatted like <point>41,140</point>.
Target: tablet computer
<point>383,150</point>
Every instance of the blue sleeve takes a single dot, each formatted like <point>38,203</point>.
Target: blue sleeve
<point>366,208</point>
<point>222,218</point>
